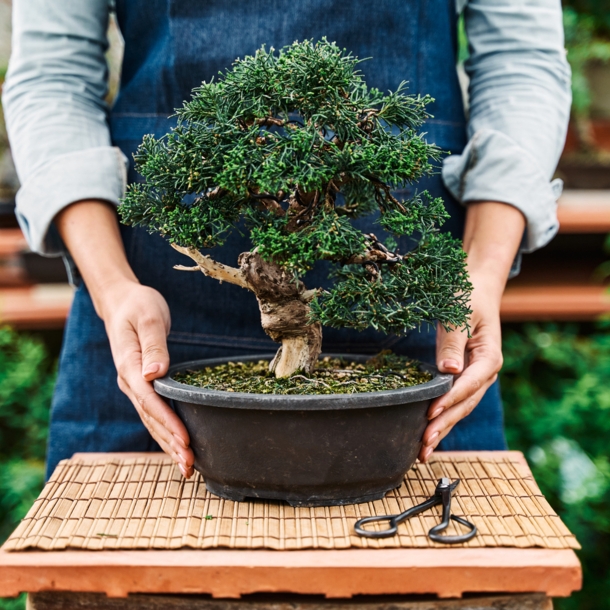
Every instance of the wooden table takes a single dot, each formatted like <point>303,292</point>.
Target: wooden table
<point>448,573</point>
<point>137,579</point>
<point>500,577</point>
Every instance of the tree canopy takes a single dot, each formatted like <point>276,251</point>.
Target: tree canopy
<point>296,144</point>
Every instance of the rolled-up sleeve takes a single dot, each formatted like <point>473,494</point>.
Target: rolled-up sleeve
<point>56,116</point>
<point>520,100</point>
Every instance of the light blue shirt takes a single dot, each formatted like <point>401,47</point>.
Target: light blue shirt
<point>53,98</point>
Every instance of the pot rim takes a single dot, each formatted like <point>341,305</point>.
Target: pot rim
<point>169,388</point>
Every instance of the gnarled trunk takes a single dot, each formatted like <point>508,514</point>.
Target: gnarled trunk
<point>284,307</point>
<point>283,303</point>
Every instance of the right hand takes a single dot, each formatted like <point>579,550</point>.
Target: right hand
<point>136,317</point>
<point>137,322</point>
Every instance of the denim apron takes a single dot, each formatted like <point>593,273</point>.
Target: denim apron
<point>170,47</point>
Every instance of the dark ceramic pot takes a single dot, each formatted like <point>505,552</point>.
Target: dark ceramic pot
<point>307,450</point>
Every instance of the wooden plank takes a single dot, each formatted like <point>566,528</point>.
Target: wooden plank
<point>45,306</point>
<point>584,211</point>
<point>447,572</point>
<point>12,241</point>
<point>557,302</point>
<point>579,211</point>
<point>97,601</point>
<point>40,306</point>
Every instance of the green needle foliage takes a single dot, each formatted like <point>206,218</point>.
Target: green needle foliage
<point>295,143</point>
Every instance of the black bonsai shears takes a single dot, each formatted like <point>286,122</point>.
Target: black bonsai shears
<point>442,495</point>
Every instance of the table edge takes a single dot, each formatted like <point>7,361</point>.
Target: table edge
<point>231,573</point>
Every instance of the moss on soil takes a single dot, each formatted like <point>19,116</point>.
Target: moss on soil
<point>386,371</point>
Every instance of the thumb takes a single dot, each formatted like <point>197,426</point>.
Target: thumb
<point>450,347</point>
<point>155,357</point>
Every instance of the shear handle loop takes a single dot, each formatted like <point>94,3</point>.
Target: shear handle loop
<point>393,520</point>
<point>391,531</point>
<point>434,533</point>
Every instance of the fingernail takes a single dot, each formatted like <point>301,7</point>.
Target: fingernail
<point>431,439</point>
<point>151,369</point>
<point>451,365</point>
<point>436,413</point>
<point>182,459</point>
<point>180,441</point>
<point>427,452</point>
<point>183,471</point>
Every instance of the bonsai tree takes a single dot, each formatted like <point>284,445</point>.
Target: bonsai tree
<point>295,144</point>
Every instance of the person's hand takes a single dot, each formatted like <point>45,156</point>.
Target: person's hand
<point>137,322</point>
<point>136,317</point>
<point>476,361</point>
<point>492,235</point>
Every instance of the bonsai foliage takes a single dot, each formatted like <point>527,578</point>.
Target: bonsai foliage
<point>296,145</point>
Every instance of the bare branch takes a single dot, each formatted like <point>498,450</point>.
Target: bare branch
<point>386,189</point>
<point>372,256</point>
<point>271,202</point>
<point>212,269</point>
<point>216,192</point>
<point>270,120</point>
<point>310,295</point>
<point>365,123</point>
<point>183,268</point>
<point>375,253</point>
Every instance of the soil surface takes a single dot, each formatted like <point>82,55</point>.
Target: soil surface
<point>385,371</point>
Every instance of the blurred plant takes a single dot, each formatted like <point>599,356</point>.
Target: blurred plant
<point>26,387</point>
<point>598,10</point>
<point>587,43</point>
<point>27,376</point>
<point>556,390</point>
<point>17,603</point>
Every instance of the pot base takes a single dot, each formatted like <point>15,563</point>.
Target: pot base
<point>294,499</point>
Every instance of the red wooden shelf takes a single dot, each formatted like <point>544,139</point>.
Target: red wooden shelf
<point>560,303</point>
<point>46,306</point>
<point>40,306</point>
<point>584,212</point>
<point>12,242</point>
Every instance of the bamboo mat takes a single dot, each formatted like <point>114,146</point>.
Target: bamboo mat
<point>143,502</point>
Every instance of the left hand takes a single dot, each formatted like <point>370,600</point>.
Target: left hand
<point>492,236</point>
<point>476,362</point>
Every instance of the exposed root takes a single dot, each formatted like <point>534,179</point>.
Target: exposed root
<point>298,353</point>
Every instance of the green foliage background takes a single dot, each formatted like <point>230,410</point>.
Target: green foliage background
<point>556,389</point>
<point>587,42</point>
<point>556,392</point>
<point>27,377</point>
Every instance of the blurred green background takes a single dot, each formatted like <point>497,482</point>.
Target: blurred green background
<point>555,381</point>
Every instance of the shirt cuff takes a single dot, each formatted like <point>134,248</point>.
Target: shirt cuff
<point>493,167</point>
<point>94,173</point>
